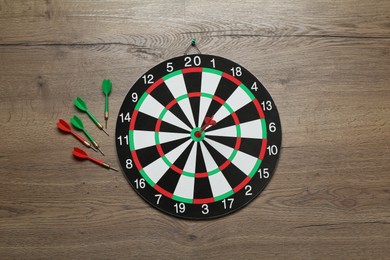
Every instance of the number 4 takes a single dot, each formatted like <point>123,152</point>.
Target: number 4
<point>254,86</point>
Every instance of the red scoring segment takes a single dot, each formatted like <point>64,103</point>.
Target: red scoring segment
<point>258,108</point>
<point>154,85</point>
<point>203,201</point>
<point>163,191</point>
<point>191,70</point>
<point>231,78</point>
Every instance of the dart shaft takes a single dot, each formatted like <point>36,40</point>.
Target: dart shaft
<point>90,137</point>
<point>100,126</point>
<point>106,117</point>
<point>106,108</point>
<point>78,137</point>
<point>105,165</point>
<point>95,120</point>
<point>81,139</point>
<point>97,161</point>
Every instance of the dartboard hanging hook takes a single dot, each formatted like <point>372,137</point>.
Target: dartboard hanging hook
<point>192,45</point>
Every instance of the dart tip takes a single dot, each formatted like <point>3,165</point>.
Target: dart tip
<point>100,151</point>
<point>112,168</point>
<point>105,131</point>
<point>93,148</point>
<point>106,123</point>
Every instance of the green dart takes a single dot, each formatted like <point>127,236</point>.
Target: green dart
<point>106,85</point>
<point>80,104</point>
<point>76,122</point>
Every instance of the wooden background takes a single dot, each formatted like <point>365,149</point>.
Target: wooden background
<point>326,64</point>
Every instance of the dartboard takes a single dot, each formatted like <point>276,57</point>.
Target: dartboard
<point>198,136</point>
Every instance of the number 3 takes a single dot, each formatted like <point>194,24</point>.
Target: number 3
<point>205,208</point>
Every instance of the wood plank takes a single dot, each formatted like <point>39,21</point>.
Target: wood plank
<point>326,65</point>
<point>87,22</point>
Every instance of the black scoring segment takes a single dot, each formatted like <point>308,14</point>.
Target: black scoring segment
<point>167,127</point>
<point>169,180</point>
<point>145,122</point>
<point>162,94</point>
<point>217,156</point>
<point>226,140</point>
<point>165,97</point>
<point>202,189</point>
<point>200,164</point>
<point>147,155</point>
<point>169,146</point>
<point>225,88</point>
<point>182,160</point>
<point>193,84</point>
<point>233,175</point>
<point>226,122</point>
<point>251,146</point>
<point>247,113</point>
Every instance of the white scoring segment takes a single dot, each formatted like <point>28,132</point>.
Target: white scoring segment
<point>165,137</point>
<point>225,150</point>
<point>152,107</point>
<point>219,185</point>
<point>209,85</point>
<point>243,161</point>
<point>229,131</point>
<point>175,153</point>
<point>143,139</point>
<point>185,187</point>
<point>208,159</point>
<point>237,100</point>
<point>177,87</point>
<point>191,160</point>
<point>250,129</point>
<point>157,168</point>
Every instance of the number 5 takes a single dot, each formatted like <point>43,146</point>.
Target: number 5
<point>169,67</point>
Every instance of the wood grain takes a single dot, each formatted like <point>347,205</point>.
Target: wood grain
<point>325,63</point>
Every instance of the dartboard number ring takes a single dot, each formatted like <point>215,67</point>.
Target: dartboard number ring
<point>198,136</point>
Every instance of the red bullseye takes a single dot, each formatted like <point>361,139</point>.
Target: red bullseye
<point>198,134</point>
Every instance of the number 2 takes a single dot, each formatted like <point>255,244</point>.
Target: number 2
<point>248,189</point>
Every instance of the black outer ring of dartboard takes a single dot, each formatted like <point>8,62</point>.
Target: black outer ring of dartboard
<point>148,193</point>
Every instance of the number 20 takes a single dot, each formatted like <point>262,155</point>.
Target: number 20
<point>190,62</point>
